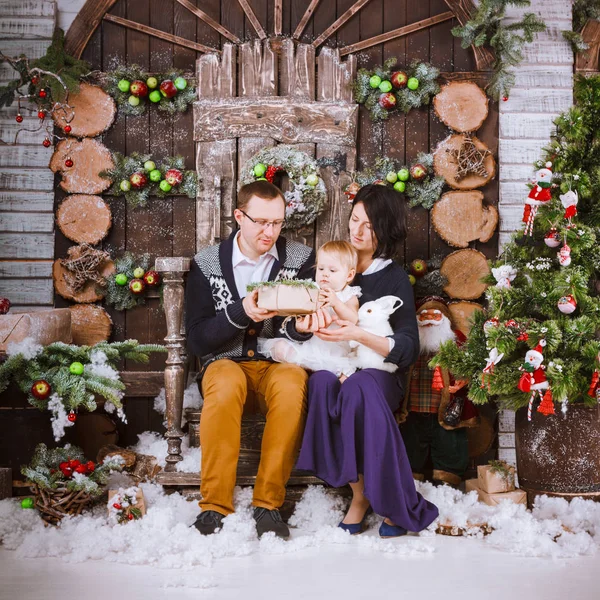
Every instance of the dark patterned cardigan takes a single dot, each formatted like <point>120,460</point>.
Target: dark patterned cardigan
<point>216,324</point>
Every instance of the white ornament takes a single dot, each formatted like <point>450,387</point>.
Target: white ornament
<point>564,255</point>
<point>504,275</point>
<point>567,304</point>
<point>492,360</point>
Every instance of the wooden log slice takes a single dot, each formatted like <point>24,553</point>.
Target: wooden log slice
<point>84,219</point>
<point>446,166</point>
<point>88,293</point>
<point>462,312</point>
<point>461,217</point>
<point>94,111</point>
<point>89,158</point>
<point>90,324</point>
<point>461,105</point>
<point>464,270</point>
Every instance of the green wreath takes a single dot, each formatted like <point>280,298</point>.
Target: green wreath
<point>307,197</point>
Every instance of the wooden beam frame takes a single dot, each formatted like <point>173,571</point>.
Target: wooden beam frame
<point>337,24</point>
<point>305,17</point>
<point>253,19</point>
<point>210,21</point>
<point>278,20</point>
<point>85,23</point>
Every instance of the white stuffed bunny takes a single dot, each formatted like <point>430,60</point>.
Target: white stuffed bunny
<point>374,317</point>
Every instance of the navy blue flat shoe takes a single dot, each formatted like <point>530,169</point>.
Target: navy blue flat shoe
<point>356,528</point>
<point>391,531</point>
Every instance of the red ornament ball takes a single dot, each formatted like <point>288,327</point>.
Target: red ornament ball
<point>4,305</point>
<point>41,114</point>
<point>72,417</point>
<point>68,163</point>
<point>19,118</point>
<point>35,80</point>
<point>43,93</point>
<point>130,516</point>
<point>46,143</point>
<point>504,98</point>
<point>91,467</point>
<point>81,469</point>
<point>67,129</point>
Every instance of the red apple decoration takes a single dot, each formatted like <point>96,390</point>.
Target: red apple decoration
<point>4,305</point>
<point>138,88</point>
<point>137,286</point>
<point>387,101</point>
<point>151,278</point>
<point>418,267</point>
<point>91,467</point>
<point>40,389</point>
<point>168,89</point>
<point>174,176</point>
<point>418,172</point>
<point>138,180</point>
<point>399,79</point>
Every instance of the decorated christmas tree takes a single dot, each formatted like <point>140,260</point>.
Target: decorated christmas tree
<point>537,343</point>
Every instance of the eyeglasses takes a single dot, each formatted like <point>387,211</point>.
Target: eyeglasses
<point>278,224</point>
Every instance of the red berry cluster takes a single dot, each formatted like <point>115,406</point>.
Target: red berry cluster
<point>69,467</point>
<point>117,506</point>
<point>271,172</point>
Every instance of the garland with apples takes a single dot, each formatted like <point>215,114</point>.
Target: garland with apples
<point>137,177</point>
<point>537,340</point>
<point>385,89</point>
<point>308,195</point>
<point>417,181</point>
<point>133,277</point>
<point>134,90</point>
<point>64,378</point>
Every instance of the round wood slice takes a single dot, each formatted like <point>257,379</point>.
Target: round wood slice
<point>463,270</point>
<point>89,158</point>
<point>94,111</point>
<point>90,324</point>
<point>462,312</point>
<point>88,292</point>
<point>84,219</point>
<point>461,217</point>
<point>444,164</point>
<point>461,105</point>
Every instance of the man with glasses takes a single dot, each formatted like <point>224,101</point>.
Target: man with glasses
<point>223,323</point>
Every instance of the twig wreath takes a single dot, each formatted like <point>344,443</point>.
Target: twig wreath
<point>307,197</point>
<point>383,89</point>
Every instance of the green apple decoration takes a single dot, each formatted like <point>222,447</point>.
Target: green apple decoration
<point>151,82</point>
<point>400,186</point>
<point>121,279</point>
<point>134,100</point>
<point>392,177</point>
<point>138,272</point>
<point>27,503</point>
<point>165,186</point>
<point>123,85</point>
<point>155,175</point>
<point>403,174</point>
<point>149,165</point>
<point>180,83</point>
<point>155,96</point>
<point>259,170</point>
<point>375,81</point>
<point>76,368</point>
<point>412,279</point>
<point>312,179</point>
<point>125,185</point>
<point>385,86</point>
<point>412,83</point>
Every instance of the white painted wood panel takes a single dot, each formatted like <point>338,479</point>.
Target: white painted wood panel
<point>506,421</point>
<point>509,455</point>
<point>27,8</point>
<point>31,48</point>
<point>506,440</point>
<point>24,269</point>
<point>26,222</point>
<point>515,125</point>
<point>515,172</point>
<point>548,53</point>
<point>26,201</point>
<point>19,155</point>
<point>27,291</point>
<point>24,28</point>
<point>547,9</point>
<point>28,131</point>
<point>30,179</point>
<point>513,192</point>
<point>534,76</point>
<point>520,151</point>
<point>511,217</point>
<point>538,100</point>
<point>34,245</point>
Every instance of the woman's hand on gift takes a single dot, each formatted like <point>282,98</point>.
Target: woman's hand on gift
<point>253,311</point>
<point>321,319</point>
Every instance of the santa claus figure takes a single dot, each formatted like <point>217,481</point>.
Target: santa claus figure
<point>540,193</point>
<point>534,378</point>
<point>436,410</point>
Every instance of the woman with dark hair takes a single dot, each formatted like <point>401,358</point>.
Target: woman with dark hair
<point>351,435</point>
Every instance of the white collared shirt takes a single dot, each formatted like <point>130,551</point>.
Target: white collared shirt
<point>377,265</point>
<point>246,270</point>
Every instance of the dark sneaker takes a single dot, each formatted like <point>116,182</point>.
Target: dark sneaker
<point>209,521</point>
<point>270,520</point>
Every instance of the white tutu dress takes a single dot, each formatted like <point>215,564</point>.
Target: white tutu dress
<point>315,354</point>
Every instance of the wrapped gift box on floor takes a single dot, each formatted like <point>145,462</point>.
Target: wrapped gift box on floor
<point>44,326</point>
<point>287,297</point>
<point>496,478</point>
<point>516,496</point>
<point>140,503</point>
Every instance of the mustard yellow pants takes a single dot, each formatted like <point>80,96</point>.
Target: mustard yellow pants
<point>229,389</point>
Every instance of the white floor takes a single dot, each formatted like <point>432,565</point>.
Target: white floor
<point>459,568</point>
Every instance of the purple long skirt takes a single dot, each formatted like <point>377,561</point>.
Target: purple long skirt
<point>351,429</point>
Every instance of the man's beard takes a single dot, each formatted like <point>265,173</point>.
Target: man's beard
<point>431,338</point>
